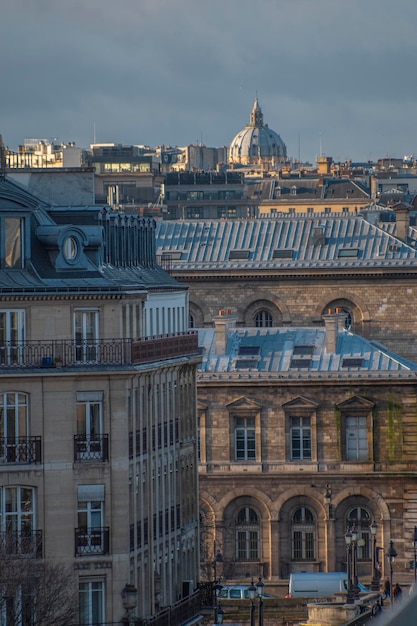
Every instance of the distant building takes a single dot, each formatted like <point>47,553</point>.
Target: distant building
<point>206,195</point>
<point>200,158</point>
<point>126,177</point>
<point>257,144</point>
<point>98,409</point>
<point>304,433</point>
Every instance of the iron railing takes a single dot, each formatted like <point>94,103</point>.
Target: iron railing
<point>20,450</point>
<point>21,543</point>
<point>95,448</point>
<point>103,352</point>
<point>92,541</point>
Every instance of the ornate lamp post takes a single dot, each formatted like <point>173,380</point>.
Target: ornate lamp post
<point>260,592</point>
<point>355,564</point>
<point>252,594</point>
<point>130,599</point>
<point>392,553</point>
<point>350,595</point>
<point>375,572</point>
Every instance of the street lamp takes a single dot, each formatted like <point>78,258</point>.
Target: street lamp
<point>375,572</point>
<point>415,554</point>
<point>129,595</point>
<point>260,592</point>
<point>218,611</point>
<point>349,595</point>
<point>355,564</point>
<point>252,594</point>
<point>392,553</point>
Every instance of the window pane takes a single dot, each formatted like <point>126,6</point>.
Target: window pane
<point>13,228</point>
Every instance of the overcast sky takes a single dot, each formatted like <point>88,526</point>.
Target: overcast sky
<point>332,76</point>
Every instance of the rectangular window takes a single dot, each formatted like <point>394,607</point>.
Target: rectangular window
<point>356,439</point>
<point>86,335</point>
<point>90,442</point>
<point>12,336</point>
<point>245,439</point>
<point>247,545</point>
<point>92,602</point>
<point>300,432</point>
<point>14,242</point>
<point>91,536</point>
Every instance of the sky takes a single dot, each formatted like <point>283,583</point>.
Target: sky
<point>333,77</point>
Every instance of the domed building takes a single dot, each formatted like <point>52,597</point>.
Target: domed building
<point>257,144</point>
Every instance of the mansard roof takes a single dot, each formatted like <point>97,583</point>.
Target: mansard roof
<point>110,252</point>
<point>286,243</point>
<point>298,353</point>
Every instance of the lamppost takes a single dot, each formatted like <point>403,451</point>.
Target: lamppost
<point>260,592</point>
<point>375,572</point>
<point>129,595</point>
<point>252,594</point>
<point>355,564</point>
<point>392,553</point>
<point>349,595</point>
<point>218,611</point>
<point>415,554</point>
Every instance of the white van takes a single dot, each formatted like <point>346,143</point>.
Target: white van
<point>318,585</point>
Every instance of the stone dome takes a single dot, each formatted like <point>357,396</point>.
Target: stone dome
<point>257,144</point>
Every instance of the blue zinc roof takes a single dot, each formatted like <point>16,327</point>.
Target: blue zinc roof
<point>296,353</point>
<point>288,242</point>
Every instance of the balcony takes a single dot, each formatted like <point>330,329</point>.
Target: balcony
<point>91,541</point>
<point>94,354</point>
<point>22,543</point>
<point>20,450</point>
<point>94,448</point>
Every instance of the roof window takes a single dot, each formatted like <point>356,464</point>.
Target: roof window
<point>239,254</point>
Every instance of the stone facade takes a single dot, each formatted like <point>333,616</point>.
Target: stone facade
<point>277,511</point>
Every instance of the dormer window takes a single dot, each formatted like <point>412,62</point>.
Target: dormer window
<point>13,242</point>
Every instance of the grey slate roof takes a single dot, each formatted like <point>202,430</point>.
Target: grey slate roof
<point>298,353</point>
<point>117,252</point>
<point>206,245</point>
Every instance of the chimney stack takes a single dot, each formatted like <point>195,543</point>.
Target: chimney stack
<point>334,322</point>
<point>223,322</point>
<point>402,217</point>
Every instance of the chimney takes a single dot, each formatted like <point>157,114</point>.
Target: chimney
<point>223,322</point>
<point>334,322</point>
<point>402,217</point>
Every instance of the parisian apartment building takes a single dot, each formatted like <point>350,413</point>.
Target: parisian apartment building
<point>98,461</point>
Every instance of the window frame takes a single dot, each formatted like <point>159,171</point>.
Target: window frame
<point>307,535</point>
<point>92,606</point>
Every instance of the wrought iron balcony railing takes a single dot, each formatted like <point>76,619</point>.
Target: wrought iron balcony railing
<point>93,448</point>
<point>103,352</point>
<point>20,450</point>
<point>91,541</point>
<point>21,543</point>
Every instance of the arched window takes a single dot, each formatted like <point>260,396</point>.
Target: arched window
<point>348,319</point>
<point>247,535</point>
<point>263,319</point>
<point>360,519</point>
<point>191,321</point>
<point>303,535</point>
